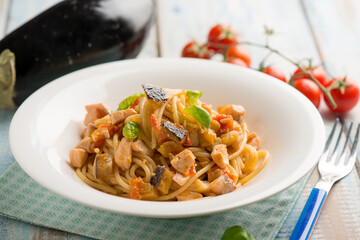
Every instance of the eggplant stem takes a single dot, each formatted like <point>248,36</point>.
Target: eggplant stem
<point>7,79</point>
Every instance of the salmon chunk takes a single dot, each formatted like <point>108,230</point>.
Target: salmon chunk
<point>120,116</point>
<point>87,144</point>
<point>123,154</point>
<point>95,111</point>
<point>183,161</point>
<point>223,184</point>
<point>88,130</point>
<point>180,179</point>
<point>220,156</point>
<point>236,111</point>
<point>78,157</point>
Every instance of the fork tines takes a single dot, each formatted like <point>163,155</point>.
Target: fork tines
<point>336,154</point>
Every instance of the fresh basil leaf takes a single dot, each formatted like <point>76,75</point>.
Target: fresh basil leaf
<point>200,114</point>
<point>193,96</point>
<point>131,130</point>
<point>126,103</point>
<point>237,233</point>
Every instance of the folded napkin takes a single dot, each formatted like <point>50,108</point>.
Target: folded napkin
<point>23,199</point>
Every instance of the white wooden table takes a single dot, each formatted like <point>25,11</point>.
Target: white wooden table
<point>328,31</point>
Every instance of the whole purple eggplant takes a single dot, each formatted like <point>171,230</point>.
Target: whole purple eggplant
<point>74,34</point>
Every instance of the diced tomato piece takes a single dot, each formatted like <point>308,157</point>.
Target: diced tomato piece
<point>232,176</point>
<point>226,123</point>
<point>135,103</point>
<point>187,142</point>
<point>155,123</point>
<point>137,186</point>
<point>162,137</point>
<point>192,171</point>
<point>97,135</point>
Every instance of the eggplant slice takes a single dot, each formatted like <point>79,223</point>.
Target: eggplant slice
<point>159,171</point>
<point>103,166</point>
<point>155,93</point>
<point>177,131</point>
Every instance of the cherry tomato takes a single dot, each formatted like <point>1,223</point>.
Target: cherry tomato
<point>237,51</point>
<point>310,90</point>
<point>196,50</point>
<point>275,72</point>
<point>317,72</point>
<point>237,61</point>
<point>345,94</point>
<point>221,37</point>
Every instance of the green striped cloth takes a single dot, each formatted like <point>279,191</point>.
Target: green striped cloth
<point>23,199</point>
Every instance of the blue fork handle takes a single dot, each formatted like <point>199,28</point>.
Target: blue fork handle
<point>309,214</point>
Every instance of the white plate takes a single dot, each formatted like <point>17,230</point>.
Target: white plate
<point>47,125</point>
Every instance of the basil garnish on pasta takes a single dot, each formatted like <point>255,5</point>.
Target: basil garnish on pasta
<point>126,103</point>
<point>200,114</point>
<point>131,130</point>
<point>193,96</point>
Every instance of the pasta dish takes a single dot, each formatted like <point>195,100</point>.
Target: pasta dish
<point>166,145</point>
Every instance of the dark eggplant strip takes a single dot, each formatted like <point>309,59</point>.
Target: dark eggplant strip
<point>179,133</point>
<point>155,93</point>
<point>155,180</point>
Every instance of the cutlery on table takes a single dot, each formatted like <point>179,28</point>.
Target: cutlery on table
<point>331,168</point>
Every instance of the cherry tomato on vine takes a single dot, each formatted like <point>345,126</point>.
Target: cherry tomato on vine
<point>237,51</point>
<point>221,37</point>
<point>345,94</point>
<point>196,50</point>
<point>318,72</point>
<point>275,72</point>
<point>237,61</point>
<point>310,90</point>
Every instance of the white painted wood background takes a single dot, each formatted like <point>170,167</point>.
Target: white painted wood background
<point>328,31</point>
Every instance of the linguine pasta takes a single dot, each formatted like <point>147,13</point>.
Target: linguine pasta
<point>167,145</point>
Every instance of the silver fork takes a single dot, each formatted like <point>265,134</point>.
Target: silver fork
<point>331,170</point>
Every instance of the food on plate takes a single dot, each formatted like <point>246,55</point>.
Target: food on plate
<point>166,144</point>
